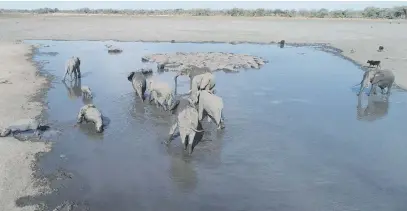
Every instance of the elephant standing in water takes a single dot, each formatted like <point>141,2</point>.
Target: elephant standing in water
<point>89,113</point>
<point>191,71</point>
<point>73,66</point>
<point>139,83</point>
<point>209,105</point>
<point>204,81</point>
<point>161,93</point>
<point>187,122</point>
<point>381,78</point>
<point>375,109</point>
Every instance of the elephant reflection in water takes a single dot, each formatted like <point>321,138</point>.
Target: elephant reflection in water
<point>75,91</point>
<point>183,174</point>
<point>377,107</point>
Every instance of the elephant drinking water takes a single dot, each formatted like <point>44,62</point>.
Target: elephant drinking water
<point>381,78</point>
<point>73,66</point>
<point>89,113</point>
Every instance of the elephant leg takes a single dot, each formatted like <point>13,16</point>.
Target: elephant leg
<point>371,89</point>
<point>191,138</point>
<point>171,133</point>
<point>66,73</point>
<point>79,71</point>
<point>389,88</point>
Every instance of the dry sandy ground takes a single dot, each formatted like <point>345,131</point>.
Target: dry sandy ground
<point>364,36</point>
<point>16,157</point>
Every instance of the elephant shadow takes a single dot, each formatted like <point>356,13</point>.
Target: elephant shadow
<point>377,108</point>
<point>74,88</point>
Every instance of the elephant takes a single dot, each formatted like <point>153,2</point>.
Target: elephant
<point>191,71</point>
<point>204,81</point>
<point>139,83</point>
<point>161,93</point>
<point>73,66</point>
<point>86,92</point>
<point>180,104</point>
<point>89,113</point>
<point>374,110</point>
<point>382,78</point>
<point>209,105</point>
<point>187,122</point>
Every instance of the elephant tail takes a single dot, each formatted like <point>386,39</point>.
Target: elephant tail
<point>198,131</point>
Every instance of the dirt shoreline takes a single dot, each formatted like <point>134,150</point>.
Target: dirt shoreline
<point>363,36</point>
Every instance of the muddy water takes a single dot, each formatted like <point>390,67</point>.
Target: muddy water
<point>294,139</point>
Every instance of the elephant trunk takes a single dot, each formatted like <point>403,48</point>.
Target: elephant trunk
<point>99,126</point>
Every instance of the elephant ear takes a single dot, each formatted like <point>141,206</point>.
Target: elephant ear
<point>204,81</point>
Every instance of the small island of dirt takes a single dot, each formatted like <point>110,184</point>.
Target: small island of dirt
<point>215,61</point>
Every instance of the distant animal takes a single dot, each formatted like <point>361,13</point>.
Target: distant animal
<point>352,50</point>
<point>282,43</point>
<point>381,48</point>
<point>209,105</point>
<point>381,78</point>
<point>86,92</point>
<point>187,122</point>
<point>89,113</point>
<point>161,93</point>
<point>373,63</point>
<point>72,66</point>
<point>138,81</point>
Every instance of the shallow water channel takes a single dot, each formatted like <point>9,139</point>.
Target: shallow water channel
<point>294,139</point>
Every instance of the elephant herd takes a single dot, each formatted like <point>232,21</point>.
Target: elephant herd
<point>187,111</point>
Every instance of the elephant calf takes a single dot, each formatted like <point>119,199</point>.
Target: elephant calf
<point>187,122</point>
<point>86,92</point>
<point>73,66</point>
<point>89,113</point>
<point>209,105</point>
<point>381,78</point>
<point>161,93</point>
<point>139,83</point>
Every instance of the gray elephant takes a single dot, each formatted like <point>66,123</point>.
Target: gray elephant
<point>139,83</point>
<point>381,78</point>
<point>161,93</point>
<point>375,109</point>
<point>72,66</point>
<point>209,105</point>
<point>187,122</point>
<point>191,71</point>
<point>89,113</point>
<point>204,81</point>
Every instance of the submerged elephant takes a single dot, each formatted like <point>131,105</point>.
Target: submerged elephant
<point>89,113</point>
<point>72,66</point>
<point>187,122</point>
<point>375,109</point>
<point>161,93</point>
<point>138,80</point>
<point>191,71</point>
<point>381,78</point>
<point>209,105</point>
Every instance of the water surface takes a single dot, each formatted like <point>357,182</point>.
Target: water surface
<point>294,139</point>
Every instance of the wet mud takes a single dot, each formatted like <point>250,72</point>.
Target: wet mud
<point>295,138</point>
